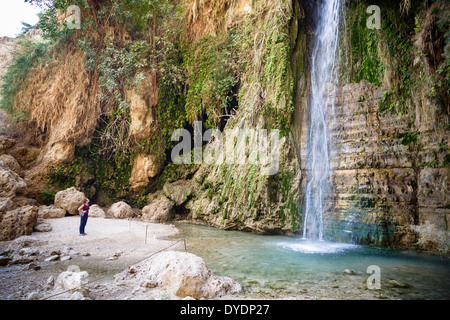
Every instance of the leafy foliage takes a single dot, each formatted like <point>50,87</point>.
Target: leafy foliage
<point>14,79</point>
<point>211,75</point>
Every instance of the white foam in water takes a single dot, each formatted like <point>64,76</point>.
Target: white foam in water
<point>308,246</point>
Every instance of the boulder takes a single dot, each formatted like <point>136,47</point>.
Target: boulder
<point>10,182</point>
<point>182,274</point>
<point>96,212</point>
<point>70,200</point>
<point>72,281</point>
<point>24,242</point>
<point>5,144</point>
<point>5,205</point>
<point>24,155</point>
<point>21,201</point>
<point>158,210</point>
<point>178,191</point>
<point>51,212</point>
<point>12,163</point>
<point>121,210</point>
<point>18,222</point>
<point>42,226</point>
<point>144,167</point>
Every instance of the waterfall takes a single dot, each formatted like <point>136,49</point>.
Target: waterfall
<point>321,107</point>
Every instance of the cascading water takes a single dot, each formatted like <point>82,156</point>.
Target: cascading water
<point>321,106</point>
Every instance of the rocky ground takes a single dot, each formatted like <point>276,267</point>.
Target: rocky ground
<point>109,247</point>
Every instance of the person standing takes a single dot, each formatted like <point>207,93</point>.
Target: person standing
<point>84,213</point>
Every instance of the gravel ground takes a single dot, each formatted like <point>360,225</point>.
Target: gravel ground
<point>109,247</point>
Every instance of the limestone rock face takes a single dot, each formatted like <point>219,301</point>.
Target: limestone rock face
<point>5,205</point>
<point>182,274</point>
<point>24,155</point>
<point>144,167</point>
<point>142,100</point>
<point>70,200</point>
<point>121,210</point>
<point>382,183</point>
<point>12,163</point>
<point>10,182</point>
<point>18,214</point>
<point>7,47</point>
<point>59,152</point>
<point>178,191</point>
<point>17,222</point>
<point>5,144</point>
<point>160,209</point>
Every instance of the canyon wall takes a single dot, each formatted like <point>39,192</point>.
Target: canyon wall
<point>99,111</point>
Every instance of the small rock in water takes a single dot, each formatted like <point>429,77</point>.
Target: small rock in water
<point>55,252</point>
<point>115,256</point>
<point>65,258</point>
<point>52,258</point>
<point>34,295</point>
<point>77,295</point>
<point>349,271</point>
<point>396,284</point>
<point>73,253</point>
<point>50,281</point>
<point>31,266</point>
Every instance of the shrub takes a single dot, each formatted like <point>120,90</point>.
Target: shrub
<point>47,197</point>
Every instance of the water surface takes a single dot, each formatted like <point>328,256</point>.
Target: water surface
<point>282,267</point>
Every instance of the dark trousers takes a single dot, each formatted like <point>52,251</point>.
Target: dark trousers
<point>83,222</point>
